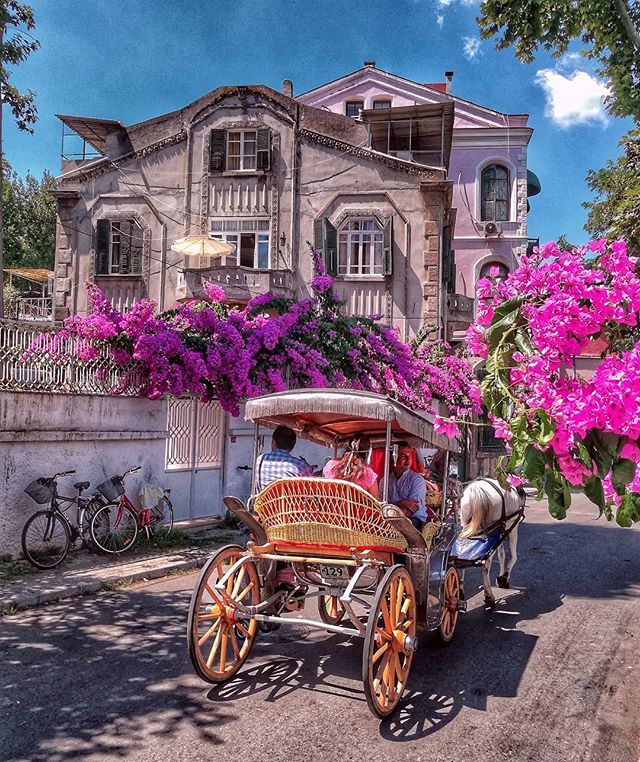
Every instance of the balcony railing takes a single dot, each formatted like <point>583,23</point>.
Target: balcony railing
<point>240,283</point>
<point>32,308</point>
<point>427,158</point>
<point>121,290</point>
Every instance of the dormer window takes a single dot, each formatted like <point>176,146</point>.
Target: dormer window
<point>353,108</point>
<point>382,103</point>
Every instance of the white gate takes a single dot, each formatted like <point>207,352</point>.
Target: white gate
<point>194,456</point>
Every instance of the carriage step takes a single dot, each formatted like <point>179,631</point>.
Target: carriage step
<point>462,606</point>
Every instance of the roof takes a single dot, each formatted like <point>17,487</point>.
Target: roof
<point>331,416</point>
<point>94,131</point>
<point>35,274</point>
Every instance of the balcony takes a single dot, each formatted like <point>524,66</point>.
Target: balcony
<point>121,290</point>
<point>459,316</point>
<point>240,283</point>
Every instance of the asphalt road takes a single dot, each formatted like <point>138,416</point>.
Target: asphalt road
<point>552,674</point>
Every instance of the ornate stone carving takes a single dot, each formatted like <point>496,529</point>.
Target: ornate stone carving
<point>364,212</point>
<point>204,186</point>
<point>275,201</point>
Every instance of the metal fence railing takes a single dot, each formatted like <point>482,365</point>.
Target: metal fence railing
<point>59,370</point>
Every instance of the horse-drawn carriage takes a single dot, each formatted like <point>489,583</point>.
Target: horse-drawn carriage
<point>373,574</point>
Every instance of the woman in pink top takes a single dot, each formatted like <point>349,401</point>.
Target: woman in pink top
<point>352,466</point>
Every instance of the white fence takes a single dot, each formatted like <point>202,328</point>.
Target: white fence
<point>60,370</point>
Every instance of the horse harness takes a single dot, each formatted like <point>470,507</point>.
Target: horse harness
<point>501,523</point>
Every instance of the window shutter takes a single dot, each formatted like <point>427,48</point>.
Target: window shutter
<point>125,246</point>
<point>263,147</point>
<point>387,247</point>
<point>102,246</point>
<point>448,276</point>
<point>218,150</point>
<point>325,240</point>
<point>135,248</point>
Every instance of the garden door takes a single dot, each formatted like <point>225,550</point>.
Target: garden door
<point>194,457</point>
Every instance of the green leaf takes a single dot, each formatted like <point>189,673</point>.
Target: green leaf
<point>629,509</point>
<point>594,491</point>
<point>583,455</point>
<point>534,463</point>
<point>622,473</point>
<point>557,490</point>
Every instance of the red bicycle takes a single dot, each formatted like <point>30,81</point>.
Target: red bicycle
<point>115,526</point>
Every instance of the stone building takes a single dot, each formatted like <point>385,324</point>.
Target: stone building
<point>259,169</point>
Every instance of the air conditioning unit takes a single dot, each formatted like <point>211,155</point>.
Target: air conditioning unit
<point>493,228</point>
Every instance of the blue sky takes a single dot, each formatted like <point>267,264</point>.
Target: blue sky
<point>135,59</point>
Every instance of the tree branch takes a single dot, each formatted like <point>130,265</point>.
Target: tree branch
<point>632,33</point>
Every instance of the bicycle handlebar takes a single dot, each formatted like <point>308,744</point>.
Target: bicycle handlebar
<point>63,473</point>
<point>130,471</point>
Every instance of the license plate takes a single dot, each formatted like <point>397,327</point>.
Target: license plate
<point>334,572</point>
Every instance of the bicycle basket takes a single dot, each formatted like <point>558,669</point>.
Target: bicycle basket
<point>112,488</point>
<point>41,490</point>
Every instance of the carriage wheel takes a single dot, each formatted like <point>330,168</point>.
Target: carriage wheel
<point>451,597</point>
<point>331,609</point>
<point>220,642</point>
<point>390,641</point>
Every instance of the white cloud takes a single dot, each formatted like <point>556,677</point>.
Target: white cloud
<point>574,96</point>
<point>440,20</point>
<point>471,47</point>
<point>447,3</point>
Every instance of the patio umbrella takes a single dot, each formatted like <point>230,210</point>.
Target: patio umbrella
<point>202,246</point>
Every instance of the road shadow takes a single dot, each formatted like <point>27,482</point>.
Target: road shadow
<point>101,675</point>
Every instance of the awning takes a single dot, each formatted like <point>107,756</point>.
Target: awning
<point>33,274</point>
<point>533,184</point>
<point>93,131</point>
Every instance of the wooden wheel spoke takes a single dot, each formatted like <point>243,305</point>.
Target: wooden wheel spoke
<point>214,650</point>
<point>245,591</point>
<point>381,668</point>
<point>393,599</point>
<point>223,648</point>
<point>238,581</point>
<point>234,642</point>
<point>385,616</point>
<point>406,624</point>
<point>399,596</point>
<point>209,632</point>
<point>377,654</point>
<point>242,629</point>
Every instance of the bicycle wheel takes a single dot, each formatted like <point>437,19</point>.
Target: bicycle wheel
<point>114,528</point>
<point>88,513</point>
<point>46,539</point>
<point>161,517</point>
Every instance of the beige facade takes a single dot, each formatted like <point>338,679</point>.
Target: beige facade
<point>257,168</point>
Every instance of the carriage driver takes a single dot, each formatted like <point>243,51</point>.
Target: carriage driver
<point>407,489</point>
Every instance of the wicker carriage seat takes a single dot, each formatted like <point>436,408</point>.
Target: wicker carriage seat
<point>325,513</point>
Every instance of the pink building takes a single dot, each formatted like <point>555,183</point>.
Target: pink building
<point>488,167</point>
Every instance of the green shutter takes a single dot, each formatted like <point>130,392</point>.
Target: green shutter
<point>387,247</point>
<point>325,240</point>
<point>136,248</point>
<point>125,245</point>
<point>218,150</point>
<point>263,147</point>
<point>103,232</point>
<point>448,274</point>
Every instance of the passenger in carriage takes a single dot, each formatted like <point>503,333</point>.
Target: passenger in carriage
<point>280,463</point>
<point>407,488</point>
<point>352,466</point>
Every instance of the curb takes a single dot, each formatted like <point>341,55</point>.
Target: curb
<point>60,593</point>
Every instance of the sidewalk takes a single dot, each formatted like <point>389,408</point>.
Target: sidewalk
<point>83,572</point>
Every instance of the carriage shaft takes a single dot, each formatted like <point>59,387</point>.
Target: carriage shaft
<point>309,622</point>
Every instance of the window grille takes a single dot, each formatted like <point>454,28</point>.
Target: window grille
<point>195,434</point>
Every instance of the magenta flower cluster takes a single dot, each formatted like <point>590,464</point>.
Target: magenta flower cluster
<point>207,349</point>
<point>531,328</point>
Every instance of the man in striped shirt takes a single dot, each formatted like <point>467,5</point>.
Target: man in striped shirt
<point>280,463</point>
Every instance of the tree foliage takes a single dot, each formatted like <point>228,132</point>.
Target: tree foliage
<point>615,210</point>
<point>16,48</point>
<point>29,220</point>
<point>609,30</point>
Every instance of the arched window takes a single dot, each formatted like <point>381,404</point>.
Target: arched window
<point>494,193</point>
<point>494,271</point>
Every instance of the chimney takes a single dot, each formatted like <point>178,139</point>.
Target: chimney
<point>448,75</point>
<point>287,88</point>
<point>370,64</point>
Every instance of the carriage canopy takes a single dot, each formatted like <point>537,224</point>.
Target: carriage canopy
<point>331,416</point>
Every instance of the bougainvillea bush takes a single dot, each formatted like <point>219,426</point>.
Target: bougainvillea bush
<point>208,349</point>
<point>564,430</point>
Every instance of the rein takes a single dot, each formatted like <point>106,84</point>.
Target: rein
<point>502,521</point>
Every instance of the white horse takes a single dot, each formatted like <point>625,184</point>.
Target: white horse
<point>486,507</point>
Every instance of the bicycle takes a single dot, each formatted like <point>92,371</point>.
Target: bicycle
<point>114,527</point>
<point>48,534</point>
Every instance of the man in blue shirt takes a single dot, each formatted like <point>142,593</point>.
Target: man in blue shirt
<point>280,463</point>
<point>407,489</point>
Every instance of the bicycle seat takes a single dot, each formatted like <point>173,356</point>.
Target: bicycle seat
<point>81,486</point>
